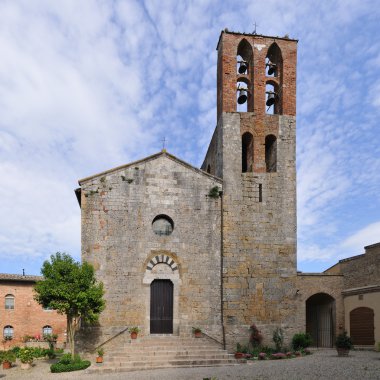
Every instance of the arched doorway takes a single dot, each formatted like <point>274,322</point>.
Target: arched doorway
<point>362,326</point>
<point>161,307</point>
<point>320,319</point>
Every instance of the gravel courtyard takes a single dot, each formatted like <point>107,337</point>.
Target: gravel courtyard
<point>323,364</point>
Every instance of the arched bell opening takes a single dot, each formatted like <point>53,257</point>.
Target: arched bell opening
<point>244,58</point>
<point>209,168</point>
<point>273,101</point>
<point>271,153</point>
<point>244,96</point>
<point>320,319</point>
<point>247,152</point>
<point>273,61</point>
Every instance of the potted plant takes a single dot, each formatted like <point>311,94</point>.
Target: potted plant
<point>134,331</point>
<point>99,358</point>
<point>197,332</point>
<point>343,344</point>
<point>8,358</point>
<point>26,357</point>
<point>239,354</point>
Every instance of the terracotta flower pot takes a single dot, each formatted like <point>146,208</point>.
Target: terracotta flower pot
<point>239,355</point>
<point>198,334</point>
<point>7,365</point>
<point>133,335</point>
<point>99,359</point>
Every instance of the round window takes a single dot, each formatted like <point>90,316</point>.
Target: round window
<point>162,225</point>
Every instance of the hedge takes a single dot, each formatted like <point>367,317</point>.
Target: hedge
<point>76,366</point>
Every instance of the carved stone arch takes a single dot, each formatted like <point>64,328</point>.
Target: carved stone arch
<point>161,259</point>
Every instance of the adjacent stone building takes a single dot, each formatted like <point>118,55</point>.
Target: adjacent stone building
<point>179,247</point>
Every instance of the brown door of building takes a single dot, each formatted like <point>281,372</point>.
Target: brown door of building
<point>362,326</point>
<point>161,307</point>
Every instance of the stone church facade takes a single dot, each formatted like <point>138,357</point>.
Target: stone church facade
<point>179,247</point>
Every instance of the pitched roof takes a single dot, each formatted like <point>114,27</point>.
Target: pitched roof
<point>150,158</point>
<point>19,277</point>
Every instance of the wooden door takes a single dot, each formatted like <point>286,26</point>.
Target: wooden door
<point>362,326</point>
<point>161,307</point>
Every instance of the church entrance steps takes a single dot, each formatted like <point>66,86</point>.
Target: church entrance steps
<point>163,352</point>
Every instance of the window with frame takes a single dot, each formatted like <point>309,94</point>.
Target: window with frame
<point>47,330</point>
<point>8,332</point>
<point>162,225</point>
<point>9,302</point>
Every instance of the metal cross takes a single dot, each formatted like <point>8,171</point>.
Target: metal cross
<point>254,32</point>
<point>163,143</point>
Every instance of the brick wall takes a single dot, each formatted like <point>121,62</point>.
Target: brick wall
<point>27,317</point>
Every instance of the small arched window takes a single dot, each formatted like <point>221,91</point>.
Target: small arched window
<point>209,168</point>
<point>162,225</point>
<point>247,152</point>
<point>9,302</point>
<point>271,153</point>
<point>8,332</point>
<point>47,330</point>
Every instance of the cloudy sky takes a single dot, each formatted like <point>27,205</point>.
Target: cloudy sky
<point>89,85</point>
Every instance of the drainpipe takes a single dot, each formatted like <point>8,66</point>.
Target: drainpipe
<point>221,270</point>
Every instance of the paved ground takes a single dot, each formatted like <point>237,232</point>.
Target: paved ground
<point>323,364</point>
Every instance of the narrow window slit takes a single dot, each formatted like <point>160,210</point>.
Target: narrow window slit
<point>260,192</point>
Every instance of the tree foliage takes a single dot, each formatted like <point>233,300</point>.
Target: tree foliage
<point>70,288</point>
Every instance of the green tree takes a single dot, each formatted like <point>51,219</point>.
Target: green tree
<point>70,288</point>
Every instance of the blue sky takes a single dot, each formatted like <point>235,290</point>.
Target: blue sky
<point>90,85</point>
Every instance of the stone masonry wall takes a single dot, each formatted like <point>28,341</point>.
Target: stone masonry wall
<point>259,236</point>
<point>363,270</point>
<point>117,238</point>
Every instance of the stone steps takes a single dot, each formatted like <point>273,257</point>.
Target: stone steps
<point>138,366</point>
<point>163,352</point>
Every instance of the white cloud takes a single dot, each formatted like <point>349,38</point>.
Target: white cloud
<point>87,87</point>
<point>366,236</point>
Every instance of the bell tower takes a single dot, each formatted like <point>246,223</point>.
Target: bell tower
<point>253,150</point>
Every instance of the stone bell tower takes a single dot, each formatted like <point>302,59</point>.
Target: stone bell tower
<point>253,150</point>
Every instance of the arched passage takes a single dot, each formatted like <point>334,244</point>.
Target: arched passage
<point>320,319</point>
<point>362,327</point>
